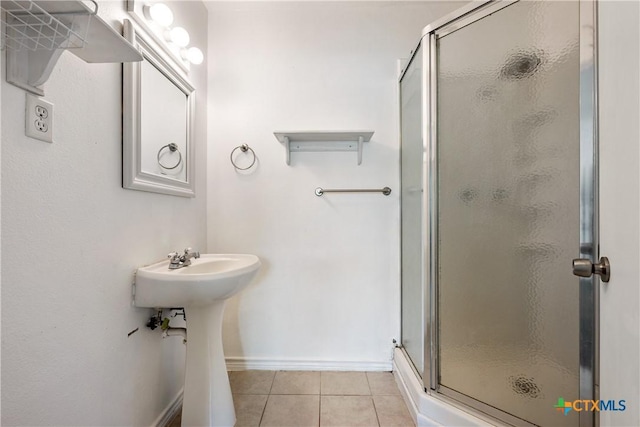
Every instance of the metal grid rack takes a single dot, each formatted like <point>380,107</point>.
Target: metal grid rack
<point>28,25</point>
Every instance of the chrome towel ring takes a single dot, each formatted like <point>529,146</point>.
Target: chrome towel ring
<point>244,148</point>
<point>172,148</point>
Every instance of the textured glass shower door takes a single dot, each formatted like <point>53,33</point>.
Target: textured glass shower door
<point>508,211</point>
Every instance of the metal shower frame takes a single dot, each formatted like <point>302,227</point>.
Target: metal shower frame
<point>589,247</point>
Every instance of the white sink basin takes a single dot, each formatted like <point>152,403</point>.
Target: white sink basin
<point>209,278</point>
<point>202,289</point>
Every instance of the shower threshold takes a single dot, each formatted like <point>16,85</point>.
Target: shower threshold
<point>429,409</point>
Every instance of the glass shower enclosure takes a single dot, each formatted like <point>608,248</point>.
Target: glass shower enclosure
<point>498,195</point>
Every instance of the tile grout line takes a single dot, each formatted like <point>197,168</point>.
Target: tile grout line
<point>376,410</point>
<point>318,393</point>
<point>368,384</point>
<point>273,380</point>
<point>264,409</point>
<point>373,402</point>
<point>320,406</point>
<point>320,402</point>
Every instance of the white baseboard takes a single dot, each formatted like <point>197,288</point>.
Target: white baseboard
<point>170,411</point>
<point>246,363</point>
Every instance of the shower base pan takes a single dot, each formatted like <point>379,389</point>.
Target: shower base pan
<point>427,409</point>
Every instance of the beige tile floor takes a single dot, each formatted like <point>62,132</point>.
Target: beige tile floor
<point>325,399</point>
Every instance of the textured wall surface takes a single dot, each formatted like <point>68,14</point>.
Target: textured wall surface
<point>619,98</point>
<point>72,238</point>
<point>328,294</point>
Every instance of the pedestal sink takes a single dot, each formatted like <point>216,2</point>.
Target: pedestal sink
<point>202,289</point>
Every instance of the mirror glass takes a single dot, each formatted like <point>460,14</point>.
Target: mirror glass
<point>158,107</point>
<point>163,130</point>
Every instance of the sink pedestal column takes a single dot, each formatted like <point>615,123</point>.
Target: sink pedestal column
<point>207,392</point>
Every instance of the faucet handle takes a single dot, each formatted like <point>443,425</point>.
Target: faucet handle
<point>172,255</point>
<point>190,251</point>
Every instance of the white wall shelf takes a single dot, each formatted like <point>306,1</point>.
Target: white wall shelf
<point>331,140</point>
<point>37,32</point>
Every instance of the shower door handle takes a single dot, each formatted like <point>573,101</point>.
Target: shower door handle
<point>583,267</point>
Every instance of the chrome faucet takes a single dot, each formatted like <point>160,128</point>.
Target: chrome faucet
<point>182,260</point>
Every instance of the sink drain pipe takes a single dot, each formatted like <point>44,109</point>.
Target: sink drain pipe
<point>168,331</point>
<point>175,332</point>
<point>163,322</point>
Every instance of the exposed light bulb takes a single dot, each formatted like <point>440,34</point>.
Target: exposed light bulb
<point>193,55</point>
<point>179,36</point>
<point>159,13</point>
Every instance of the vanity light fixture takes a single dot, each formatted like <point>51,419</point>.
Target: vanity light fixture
<point>193,55</point>
<point>162,15</point>
<point>159,13</point>
<point>179,36</point>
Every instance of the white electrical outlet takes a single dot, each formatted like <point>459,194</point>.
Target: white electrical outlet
<point>39,119</point>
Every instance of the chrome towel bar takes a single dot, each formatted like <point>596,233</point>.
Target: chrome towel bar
<point>386,191</point>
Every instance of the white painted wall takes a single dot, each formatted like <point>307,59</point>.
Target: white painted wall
<point>72,238</point>
<point>619,98</point>
<point>328,294</point>
<point>329,289</point>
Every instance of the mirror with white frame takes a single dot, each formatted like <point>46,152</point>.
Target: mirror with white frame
<point>158,107</point>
